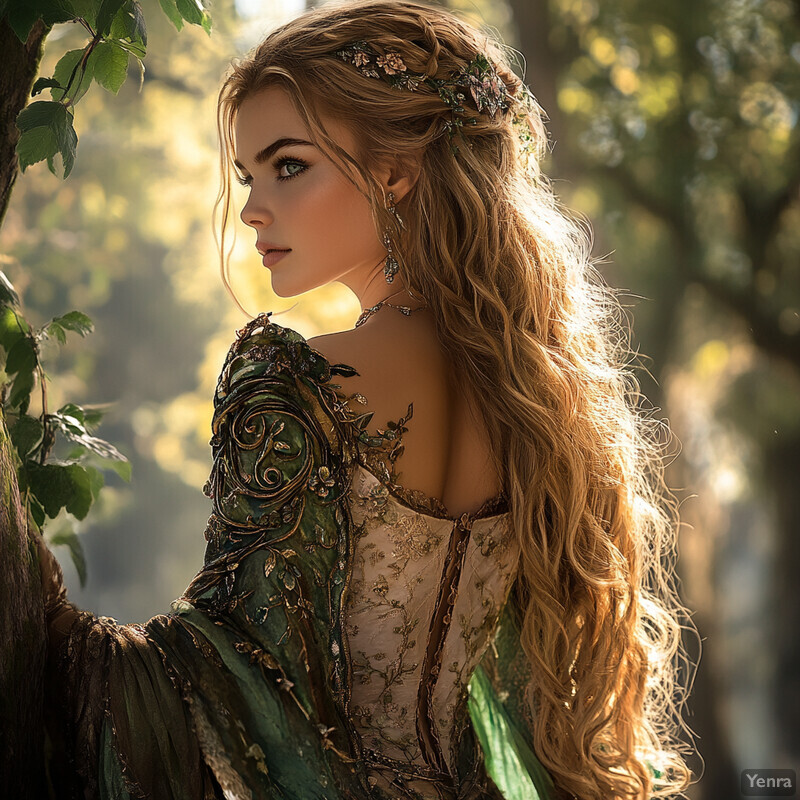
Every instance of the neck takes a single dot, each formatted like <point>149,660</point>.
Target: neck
<point>396,295</point>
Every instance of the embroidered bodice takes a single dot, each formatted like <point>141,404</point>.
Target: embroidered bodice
<point>424,598</point>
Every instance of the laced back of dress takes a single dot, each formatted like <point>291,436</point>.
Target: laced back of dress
<point>425,594</point>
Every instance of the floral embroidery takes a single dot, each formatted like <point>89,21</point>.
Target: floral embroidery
<point>321,482</point>
<point>397,565</point>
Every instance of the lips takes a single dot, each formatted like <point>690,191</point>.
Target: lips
<point>267,247</point>
<point>273,256</point>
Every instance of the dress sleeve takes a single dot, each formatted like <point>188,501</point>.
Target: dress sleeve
<point>502,720</point>
<point>231,693</point>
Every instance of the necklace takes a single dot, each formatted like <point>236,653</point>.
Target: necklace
<point>368,312</point>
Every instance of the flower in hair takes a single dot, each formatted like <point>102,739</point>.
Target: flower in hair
<point>478,80</point>
<point>485,85</point>
<point>394,70</point>
<point>391,63</point>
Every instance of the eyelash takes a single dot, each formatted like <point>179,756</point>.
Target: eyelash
<point>280,162</point>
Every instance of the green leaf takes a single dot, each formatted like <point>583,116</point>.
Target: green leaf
<point>51,484</point>
<point>106,14</point>
<point>191,10</point>
<point>87,10</point>
<point>48,118</point>
<point>22,356</point>
<point>96,481</point>
<point>54,11</point>
<point>68,423</point>
<point>58,486</point>
<point>43,83</point>
<point>75,321</point>
<point>75,430</point>
<point>129,24</point>
<point>37,511</point>
<point>36,145</point>
<point>93,414</point>
<point>71,540</point>
<point>122,468</point>
<point>194,12</point>
<point>100,447</point>
<point>20,394</point>
<point>69,68</point>
<point>8,294</point>
<point>171,10</point>
<point>12,328</point>
<point>54,329</point>
<point>22,14</point>
<point>81,498</point>
<point>136,49</point>
<point>26,434</point>
<point>21,18</point>
<point>73,410</point>
<point>110,66</point>
<point>93,460</point>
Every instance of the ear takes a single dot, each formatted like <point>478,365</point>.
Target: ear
<point>400,176</point>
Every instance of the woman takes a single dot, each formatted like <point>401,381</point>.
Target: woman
<point>473,606</point>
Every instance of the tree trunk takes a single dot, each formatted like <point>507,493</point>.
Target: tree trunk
<point>781,472</point>
<point>20,65</point>
<point>24,647</point>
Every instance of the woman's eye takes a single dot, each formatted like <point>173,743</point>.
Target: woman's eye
<point>287,162</point>
<point>279,164</point>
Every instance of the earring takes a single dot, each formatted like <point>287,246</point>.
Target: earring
<point>390,266</point>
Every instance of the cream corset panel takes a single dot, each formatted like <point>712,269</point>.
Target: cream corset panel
<point>422,605</point>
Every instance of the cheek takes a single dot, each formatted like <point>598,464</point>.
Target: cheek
<point>339,222</point>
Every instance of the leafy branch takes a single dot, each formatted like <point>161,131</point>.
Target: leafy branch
<point>117,32</point>
<point>47,484</point>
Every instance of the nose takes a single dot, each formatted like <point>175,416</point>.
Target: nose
<point>254,213</point>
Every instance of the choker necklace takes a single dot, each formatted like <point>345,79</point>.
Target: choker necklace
<point>368,312</point>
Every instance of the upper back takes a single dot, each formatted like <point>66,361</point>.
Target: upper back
<point>401,361</point>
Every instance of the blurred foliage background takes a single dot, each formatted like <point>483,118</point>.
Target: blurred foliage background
<point>675,133</point>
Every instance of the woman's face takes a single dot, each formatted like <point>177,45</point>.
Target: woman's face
<point>299,200</point>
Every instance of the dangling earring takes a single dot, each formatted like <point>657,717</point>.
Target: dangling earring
<point>390,266</point>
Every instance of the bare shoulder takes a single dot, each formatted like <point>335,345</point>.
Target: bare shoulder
<point>395,359</point>
<point>399,361</point>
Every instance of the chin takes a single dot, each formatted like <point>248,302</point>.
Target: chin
<point>290,284</point>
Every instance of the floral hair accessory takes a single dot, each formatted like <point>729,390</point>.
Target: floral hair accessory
<point>478,79</point>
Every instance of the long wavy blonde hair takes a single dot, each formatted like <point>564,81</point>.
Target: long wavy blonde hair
<point>540,341</point>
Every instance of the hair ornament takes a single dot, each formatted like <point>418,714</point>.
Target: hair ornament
<point>478,80</point>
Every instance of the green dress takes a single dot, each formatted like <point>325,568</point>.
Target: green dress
<point>243,689</point>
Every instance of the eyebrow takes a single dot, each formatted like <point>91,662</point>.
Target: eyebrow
<point>263,155</point>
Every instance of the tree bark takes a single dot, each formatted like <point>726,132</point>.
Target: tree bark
<point>20,65</point>
<point>781,472</point>
<point>24,648</point>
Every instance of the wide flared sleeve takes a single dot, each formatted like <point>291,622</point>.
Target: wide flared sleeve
<point>500,718</point>
<point>236,691</point>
